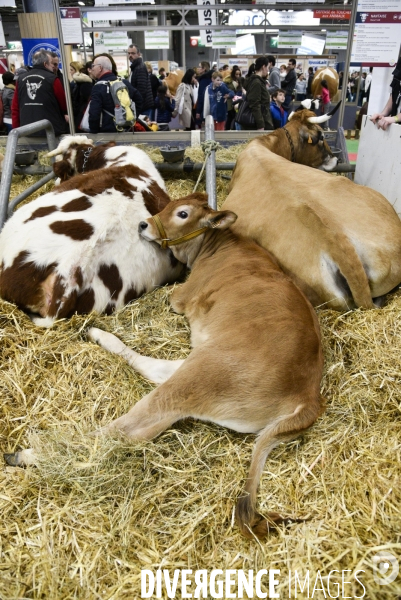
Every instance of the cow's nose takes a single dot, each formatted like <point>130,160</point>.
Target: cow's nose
<point>142,226</point>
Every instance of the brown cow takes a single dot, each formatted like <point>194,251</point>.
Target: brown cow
<point>173,80</point>
<point>339,241</point>
<point>256,363</point>
<point>331,76</point>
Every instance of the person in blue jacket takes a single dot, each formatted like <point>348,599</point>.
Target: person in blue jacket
<point>101,101</point>
<point>279,114</point>
<point>215,103</point>
<point>164,104</point>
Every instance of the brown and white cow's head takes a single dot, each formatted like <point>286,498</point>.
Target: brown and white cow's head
<point>78,154</point>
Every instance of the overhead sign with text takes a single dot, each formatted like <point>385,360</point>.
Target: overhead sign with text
<point>157,39</point>
<point>71,25</point>
<point>377,38</point>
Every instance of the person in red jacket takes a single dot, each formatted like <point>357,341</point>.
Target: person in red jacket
<point>39,94</point>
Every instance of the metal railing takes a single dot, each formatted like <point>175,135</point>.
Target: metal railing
<point>6,207</point>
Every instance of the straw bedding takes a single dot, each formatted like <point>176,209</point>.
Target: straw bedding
<point>98,510</point>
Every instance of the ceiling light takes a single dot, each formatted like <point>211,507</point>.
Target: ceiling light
<point>323,30</point>
<point>81,3</point>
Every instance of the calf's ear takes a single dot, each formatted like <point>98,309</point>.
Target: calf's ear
<point>63,169</point>
<point>221,219</point>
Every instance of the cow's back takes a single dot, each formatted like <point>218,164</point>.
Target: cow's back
<point>296,213</point>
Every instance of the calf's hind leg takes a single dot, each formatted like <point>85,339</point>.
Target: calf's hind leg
<point>154,369</point>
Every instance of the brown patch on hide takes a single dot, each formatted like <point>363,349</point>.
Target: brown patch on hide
<point>21,282</point>
<point>43,211</point>
<point>85,302</point>
<point>155,198</point>
<point>97,182</point>
<point>130,295</point>
<point>61,306</point>
<point>110,275</point>
<point>76,229</point>
<point>79,204</point>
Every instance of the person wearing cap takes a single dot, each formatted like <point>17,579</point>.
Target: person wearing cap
<point>7,98</point>
<point>39,95</point>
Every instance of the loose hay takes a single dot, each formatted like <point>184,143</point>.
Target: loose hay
<point>97,511</point>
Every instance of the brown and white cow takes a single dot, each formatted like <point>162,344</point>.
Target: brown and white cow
<point>332,78</point>
<point>78,154</point>
<point>77,248</point>
<point>256,363</point>
<point>340,242</point>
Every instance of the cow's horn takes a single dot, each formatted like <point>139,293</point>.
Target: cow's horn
<point>324,118</point>
<point>53,152</point>
<point>335,109</point>
<point>290,116</point>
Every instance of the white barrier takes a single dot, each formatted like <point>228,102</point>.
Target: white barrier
<point>379,161</point>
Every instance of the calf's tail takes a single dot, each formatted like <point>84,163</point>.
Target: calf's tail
<point>284,429</point>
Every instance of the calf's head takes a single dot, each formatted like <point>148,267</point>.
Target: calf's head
<point>182,225</point>
<point>78,154</point>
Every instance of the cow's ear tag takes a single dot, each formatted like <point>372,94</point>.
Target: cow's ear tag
<point>310,141</point>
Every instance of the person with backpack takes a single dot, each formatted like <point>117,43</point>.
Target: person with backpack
<point>164,105</point>
<point>102,106</point>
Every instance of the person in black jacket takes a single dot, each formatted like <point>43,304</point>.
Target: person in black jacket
<point>39,95</point>
<point>140,79</point>
<point>309,84</point>
<point>81,93</point>
<point>289,83</point>
<point>155,83</point>
<point>101,100</point>
<point>204,75</point>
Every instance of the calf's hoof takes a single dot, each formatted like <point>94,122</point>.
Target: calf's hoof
<point>23,458</point>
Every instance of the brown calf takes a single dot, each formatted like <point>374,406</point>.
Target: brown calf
<point>257,361</point>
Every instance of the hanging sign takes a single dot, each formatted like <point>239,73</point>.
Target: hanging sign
<point>206,17</point>
<point>377,38</point>
<point>339,15</point>
<point>157,38</point>
<point>223,39</point>
<point>289,39</point>
<point>379,5</point>
<point>71,25</point>
<point>106,41</point>
<point>273,18</point>
<point>336,40</point>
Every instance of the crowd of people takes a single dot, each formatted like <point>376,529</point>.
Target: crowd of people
<point>266,93</point>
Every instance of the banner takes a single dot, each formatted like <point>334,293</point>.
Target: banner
<point>206,17</point>
<point>339,15</point>
<point>106,41</point>
<point>32,45</point>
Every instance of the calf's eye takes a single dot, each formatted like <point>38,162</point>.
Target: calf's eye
<point>182,214</point>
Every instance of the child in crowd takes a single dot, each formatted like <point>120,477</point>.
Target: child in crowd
<point>164,104</point>
<point>326,104</point>
<point>215,104</point>
<point>279,115</point>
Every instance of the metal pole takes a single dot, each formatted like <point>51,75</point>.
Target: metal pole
<point>183,57</point>
<point>64,63</point>
<point>83,35</point>
<point>9,159</point>
<point>211,164</point>
<point>347,62</point>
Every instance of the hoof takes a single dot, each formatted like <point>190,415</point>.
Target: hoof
<point>12,459</point>
<point>23,458</point>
